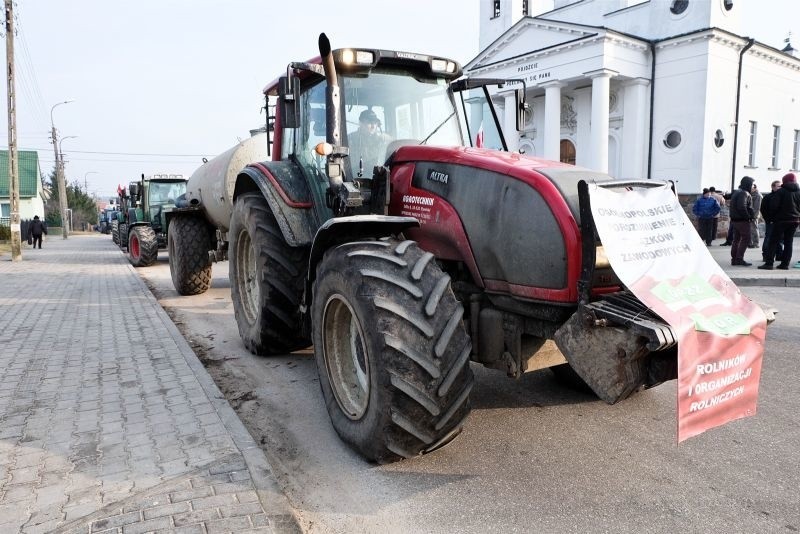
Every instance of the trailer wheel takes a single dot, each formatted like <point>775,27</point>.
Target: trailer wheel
<point>189,265</point>
<point>391,350</point>
<point>142,246</point>
<point>267,279</point>
<point>123,235</point>
<point>115,232</point>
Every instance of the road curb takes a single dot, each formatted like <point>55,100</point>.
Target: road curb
<point>275,504</point>
<point>750,281</point>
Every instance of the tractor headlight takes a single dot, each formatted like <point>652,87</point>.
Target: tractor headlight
<point>442,65</point>
<point>358,57</point>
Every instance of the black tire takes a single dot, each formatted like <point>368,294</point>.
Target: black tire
<point>115,232</point>
<point>267,279</point>
<point>142,246</point>
<point>123,235</point>
<point>188,243</point>
<point>391,349</point>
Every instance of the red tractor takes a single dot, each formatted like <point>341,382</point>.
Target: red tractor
<point>405,261</point>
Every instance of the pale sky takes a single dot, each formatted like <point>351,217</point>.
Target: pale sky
<point>158,84</point>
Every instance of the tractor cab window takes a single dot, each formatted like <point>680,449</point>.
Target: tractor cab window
<point>390,108</point>
<point>165,192</point>
<point>311,132</point>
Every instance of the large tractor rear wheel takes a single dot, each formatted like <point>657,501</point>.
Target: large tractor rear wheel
<point>267,279</point>
<point>142,246</point>
<point>188,243</point>
<point>123,235</point>
<point>391,350</point>
<point>115,231</point>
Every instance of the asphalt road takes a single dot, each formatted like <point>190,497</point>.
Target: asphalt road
<point>533,457</point>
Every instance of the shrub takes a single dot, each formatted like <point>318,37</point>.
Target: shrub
<point>5,233</point>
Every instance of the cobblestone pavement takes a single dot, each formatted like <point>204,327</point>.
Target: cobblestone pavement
<point>108,421</point>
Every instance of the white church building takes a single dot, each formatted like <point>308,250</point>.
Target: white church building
<point>661,89</point>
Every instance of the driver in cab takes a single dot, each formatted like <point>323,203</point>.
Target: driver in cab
<point>368,143</point>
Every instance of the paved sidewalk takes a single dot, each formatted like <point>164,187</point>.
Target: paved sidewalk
<point>752,276</point>
<point>108,421</point>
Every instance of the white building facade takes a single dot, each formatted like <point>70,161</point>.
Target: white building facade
<point>661,89</point>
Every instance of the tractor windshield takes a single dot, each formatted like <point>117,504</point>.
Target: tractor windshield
<point>166,192</point>
<point>390,108</point>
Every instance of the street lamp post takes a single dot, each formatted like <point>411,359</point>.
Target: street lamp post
<point>62,187</point>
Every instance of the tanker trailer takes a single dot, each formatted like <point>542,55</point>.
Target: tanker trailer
<point>199,225</point>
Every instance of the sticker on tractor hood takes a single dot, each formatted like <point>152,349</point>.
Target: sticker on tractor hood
<point>438,176</point>
<point>418,207</point>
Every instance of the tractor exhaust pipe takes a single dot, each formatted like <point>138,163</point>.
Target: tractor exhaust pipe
<point>333,131</point>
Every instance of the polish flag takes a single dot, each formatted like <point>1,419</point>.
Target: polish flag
<point>479,137</point>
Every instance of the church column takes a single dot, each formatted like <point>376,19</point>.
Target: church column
<point>583,126</point>
<point>552,120</point>
<point>601,90</point>
<point>634,130</point>
<point>510,122</point>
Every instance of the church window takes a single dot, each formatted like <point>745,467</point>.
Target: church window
<point>728,4</point>
<point>719,139</point>
<point>796,151</point>
<point>672,139</point>
<point>776,143</point>
<point>679,6</point>
<point>496,8</point>
<point>751,155</point>
<point>524,8</point>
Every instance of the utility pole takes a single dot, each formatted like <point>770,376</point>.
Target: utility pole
<point>13,162</point>
<point>62,186</point>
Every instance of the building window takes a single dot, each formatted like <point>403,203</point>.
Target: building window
<point>524,8</point>
<point>5,210</point>
<point>751,156</point>
<point>776,143</point>
<point>796,151</point>
<point>672,139</point>
<point>496,8</point>
<point>719,139</point>
<point>728,4</point>
<point>679,6</point>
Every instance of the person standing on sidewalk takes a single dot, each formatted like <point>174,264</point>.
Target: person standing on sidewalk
<point>768,213</point>
<point>36,229</point>
<point>786,221</point>
<point>721,201</point>
<point>757,197</point>
<point>741,215</point>
<point>705,208</point>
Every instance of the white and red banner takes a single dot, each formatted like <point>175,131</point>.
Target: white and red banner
<point>656,252</point>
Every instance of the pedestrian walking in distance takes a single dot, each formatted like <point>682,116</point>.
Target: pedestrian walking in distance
<point>741,214</point>
<point>786,220</point>
<point>705,209</point>
<point>35,231</point>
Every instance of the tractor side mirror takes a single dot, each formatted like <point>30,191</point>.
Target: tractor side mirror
<point>522,108</point>
<point>289,96</point>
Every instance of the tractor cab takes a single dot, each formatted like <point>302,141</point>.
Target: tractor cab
<point>342,116</point>
<point>153,197</point>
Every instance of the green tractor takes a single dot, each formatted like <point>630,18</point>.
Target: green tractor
<point>142,223</point>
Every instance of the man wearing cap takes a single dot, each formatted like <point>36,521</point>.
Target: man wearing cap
<point>35,231</point>
<point>741,215</point>
<point>786,220</point>
<point>367,144</point>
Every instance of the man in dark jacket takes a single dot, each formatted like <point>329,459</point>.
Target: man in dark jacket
<point>768,212</point>
<point>36,229</point>
<point>786,219</point>
<point>741,214</point>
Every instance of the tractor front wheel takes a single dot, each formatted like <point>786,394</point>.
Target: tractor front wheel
<point>142,246</point>
<point>188,243</point>
<point>391,350</point>
<point>123,235</point>
<point>115,232</point>
<point>267,278</point>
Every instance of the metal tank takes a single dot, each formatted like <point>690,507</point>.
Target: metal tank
<point>212,184</point>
